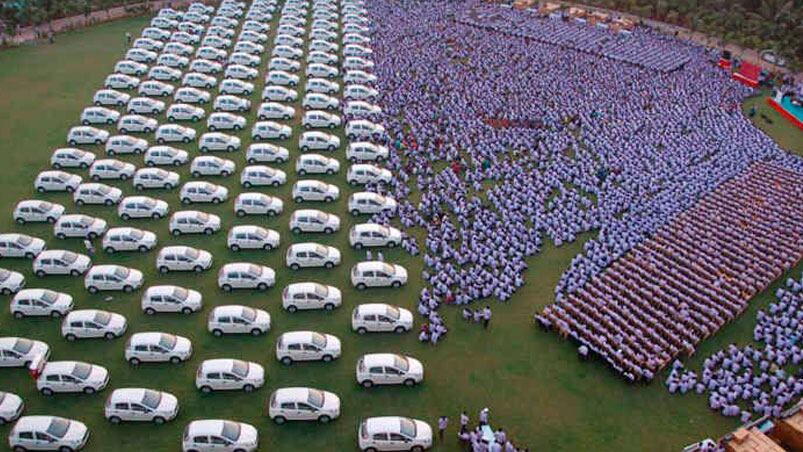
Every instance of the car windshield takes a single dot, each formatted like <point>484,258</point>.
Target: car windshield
<point>401,363</point>
<point>203,216</point>
<point>49,296</point>
<point>322,217</point>
<point>151,399</point>
<point>150,203</point>
<point>81,371</point>
<point>180,293</point>
<point>168,341</point>
<point>69,257</point>
<point>315,398</point>
<point>387,268</point>
<point>261,233</point>
<point>4,274</point>
<point>393,312</point>
<point>24,240</point>
<point>160,173</point>
<point>86,221</point>
<point>239,368</point>
<point>192,253</point>
<point>136,234</point>
<point>118,164</point>
<point>231,430</point>
<point>249,314</point>
<point>321,290</point>
<point>23,345</point>
<point>58,427</point>
<point>407,427</point>
<point>44,206</point>
<point>102,317</point>
<point>209,188</point>
<point>320,249</point>
<point>319,340</point>
<point>254,269</point>
<point>121,272</point>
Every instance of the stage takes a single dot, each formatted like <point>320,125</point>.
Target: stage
<point>787,109</point>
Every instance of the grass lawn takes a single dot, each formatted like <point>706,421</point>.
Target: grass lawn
<point>787,135</point>
<point>532,381</point>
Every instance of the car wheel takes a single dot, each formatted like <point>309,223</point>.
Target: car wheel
<point>171,118</point>
<point>226,287</point>
<point>124,130</point>
<point>206,389</point>
<point>109,336</point>
<point>75,273</point>
<point>326,358</point>
<point>92,289</point>
<point>305,148</point>
<point>115,420</point>
<point>186,201</point>
<point>216,201</point>
<point>217,332</point>
<point>185,140</point>
<point>262,287</point>
<point>159,420</point>
<point>247,184</point>
<point>329,307</point>
<point>108,250</point>
<point>212,128</point>
<point>295,266</point>
<point>47,392</point>
<point>41,273</point>
<point>204,149</point>
<point>198,269</point>
<point>163,269</point>
<point>72,143</point>
<point>367,384</point>
<point>240,213</point>
<point>89,390</point>
<point>79,203</point>
<point>331,147</point>
<point>175,360</point>
<point>324,419</point>
<point>128,289</point>
<point>70,337</point>
<point>279,420</point>
<point>108,202</point>
<point>248,388</point>
<point>20,220</point>
<point>160,140</point>
<point>361,286</point>
<point>267,247</point>
<point>287,360</point>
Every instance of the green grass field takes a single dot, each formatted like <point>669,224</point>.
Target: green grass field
<point>532,381</point>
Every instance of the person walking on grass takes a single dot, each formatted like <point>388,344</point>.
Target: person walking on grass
<point>443,422</point>
<point>128,38</point>
<point>486,317</point>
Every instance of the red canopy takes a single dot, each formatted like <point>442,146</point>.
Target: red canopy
<point>748,74</point>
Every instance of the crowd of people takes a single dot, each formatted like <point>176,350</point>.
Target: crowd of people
<point>759,379</point>
<point>609,146</point>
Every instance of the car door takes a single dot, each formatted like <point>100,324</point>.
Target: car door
<point>139,412</point>
<point>295,351</point>
<point>376,374</point>
<point>141,352</point>
<point>397,441</point>
<point>393,375</point>
<point>311,352</point>
<point>91,329</point>
<point>306,411</point>
<point>230,381</point>
<point>69,383</point>
<point>53,381</point>
<point>384,323</point>
<point>156,352</point>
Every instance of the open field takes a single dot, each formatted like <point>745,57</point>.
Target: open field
<point>535,386</point>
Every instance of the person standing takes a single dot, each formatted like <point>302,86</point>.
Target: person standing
<point>90,248</point>
<point>380,257</point>
<point>485,413</point>
<point>368,255</point>
<point>128,38</point>
<point>443,422</point>
<point>486,317</point>
<point>464,420</point>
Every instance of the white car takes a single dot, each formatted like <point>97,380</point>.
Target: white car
<point>140,404</point>
<point>377,274</point>
<point>363,129</point>
<point>86,135</point>
<point>321,58</point>
<point>183,258</point>
<point>40,303</point>
<point>93,323</point>
<point>257,204</point>
<point>203,192</point>
<point>136,123</point>
<point>155,178</point>
<point>307,346</point>
<point>315,140</point>
<point>37,211</point>
<point>157,347</point>
<point>283,64</point>
<point>20,351</point>
<point>261,175</point>
<point>322,70</point>
<point>371,234</point>
<point>325,24</point>
<point>264,130</point>
<point>165,73</point>
<point>71,376</point>
<point>381,317</point>
<point>95,193</point>
<point>282,78</point>
<point>321,85</point>
<point>218,141</point>
<point>249,47</point>
<point>318,101</point>
<point>291,30</point>
<point>359,76</point>
<point>155,88</point>
<point>357,63</point>
<point>388,369</point>
<point>142,207</point>
<point>245,276</point>
<point>173,133</point>
<point>279,93</point>
<point>236,319</point>
<point>210,435</point>
<point>283,39</point>
<point>164,23</point>
<point>309,255</point>
<point>320,119</point>
<point>71,158</point>
<point>56,181</point>
<point>316,164</point>
<point>364,150</point>
<point>99,115</point>
<point>323,35</point>
<point>366,202</point>
<point>365,173</point>
<point>275,110</point>
<point>224,121</point>
<point>11,406</point>
<point>323,46</point>
<point>313,220</point>
<point>129,68</point>
<point>205,66</point>
<point>198,80</point>
<point>207,165</point>
<point>171,299</point>
<point>361,109</point>
<point>111,169</point>
<point>303,404</point>
<point>211,54</point>
<point>122,81</point>
<point>255,25</point>
<point>356,50</point>
<point>57,432</point>
<point>253,36</point>
<point>184,37</point>
<point>141,56</point>
<point>266,153</point>
<point>193,222</point>
<point>360,92</point>
<point>394,433</point>
<point>236,86</point>
<point>171,60</point>
<point>356,38</point>
<point>128,239</point>
<point>110,97</point>
<point>145,106</point>
<point>216,41</point>
<point>314,190</point>
<point>245,59</point>
<point>229,374</point>
<point>220,30</point>
<point>125,144</point>
<point>310,295</point>
<point>11,282</point>
<point>165,155</point>
<point>21,245</point>
<point>238,71</point>
<point>228,102</point>
<point>79,225</point>
<point>185,112</point>
<point>178,49</point>
<point>249,237</point>
<point>60,262</point>
<point>190,95</point>
<point>113,277</point>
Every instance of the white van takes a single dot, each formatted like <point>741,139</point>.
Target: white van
<point>113,277</point>
<point>388,369</point>
<point>236,319</point>
<point>381,317</point>
<point>303,404</point>
<point>308,255</point>
<point>157,347</point>
<point>311,295</point>
<point>372,234</point>
<point>394,433</point>
<point>40,303</point>
<point>229,374</point>
<point>313,220</point>
<point>93,323</point>
<point>59,433</point>
<point>171,299</point>
<point>71,376</point>
<point>183,258</point>
<point>377,274</point>
<point>242,275</point>
<point>128,239</point>
<point>140,404</point>
<point>251,203</point>
<point>307,346</point>
<point>250,237</point>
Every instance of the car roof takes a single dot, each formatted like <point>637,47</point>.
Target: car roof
<point>304,286</point>
<point>306,246</point>
<point>291,394</point>
<point>36,422</point>
<point>161,289</point>
<point>176,249</point>
<point>390,424</point>
<point>128,394</point>
<point>239,266</point>
<point>219,364</point>
<point>148,337</point>
<point>105,268</point>
<point>207,426</point>
<point>85,314</point>
<point>61,366</point>
<point>231,309</point>
<point>379,359</point>
<point>297,336</point>
<point>372,265</point>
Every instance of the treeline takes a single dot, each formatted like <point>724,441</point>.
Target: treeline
<point>15,14</point>
<point>757,24</point>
